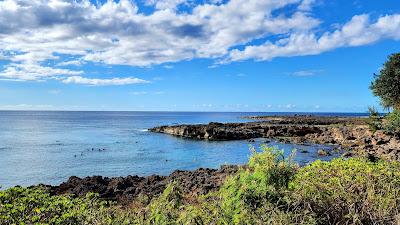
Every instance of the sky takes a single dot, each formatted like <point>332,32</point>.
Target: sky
<point>194,55</point>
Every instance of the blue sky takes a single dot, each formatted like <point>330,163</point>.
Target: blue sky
<point>185,55</point>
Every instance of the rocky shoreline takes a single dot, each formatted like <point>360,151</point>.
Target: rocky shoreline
<point>351,133</point>
<point>124,190</point>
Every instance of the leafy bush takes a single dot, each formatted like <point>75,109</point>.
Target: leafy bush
<point>255,195</point>
<point>374,120</point>
<point>353,191</point>
<point>252,196</point>
<point>36,206</point>
<point>166,208</point>
<point>29,206</point>
<point>258,186</point>
<point>392,123</point>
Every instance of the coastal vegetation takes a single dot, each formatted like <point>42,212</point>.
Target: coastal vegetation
<point>375,119</point>
<point>271,189</point>
<point>392,125</point>
<point>386,86</point>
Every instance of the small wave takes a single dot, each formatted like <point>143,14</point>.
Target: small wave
<point>141,130</point>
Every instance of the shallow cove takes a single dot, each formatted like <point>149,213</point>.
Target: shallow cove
<point>49,147</point>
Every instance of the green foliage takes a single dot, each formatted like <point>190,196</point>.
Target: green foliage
<point>35,206</point>
<point>252,196</point>
<point>392,123</point>
<point>29,206</point>
<point>256,187</point>
<point>374,120</point>
<point>387,83</point>
<point>166,208</point>
<point>270,190</point>
<point>206,210</point>
<point>353,191</point>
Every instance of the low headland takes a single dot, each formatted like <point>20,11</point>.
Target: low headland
<point>352,134</point>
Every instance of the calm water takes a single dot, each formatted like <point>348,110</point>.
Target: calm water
<point>48,147</point>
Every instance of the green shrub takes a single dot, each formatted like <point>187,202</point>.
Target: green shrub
<point>29,206</point>
<point>36,206</point>
<point>166,208</point>
<point>206,210</point>
<point>267,174</point>
<point>374,120</point>
<point>392,123</point>
<point>353,191</point>
<point>256,195</point>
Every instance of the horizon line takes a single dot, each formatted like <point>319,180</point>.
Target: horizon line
<point>178,111</point>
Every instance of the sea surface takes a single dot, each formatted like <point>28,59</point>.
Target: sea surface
<point>50,146</point>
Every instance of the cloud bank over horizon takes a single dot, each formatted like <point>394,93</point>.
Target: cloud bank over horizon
<point>51,39</point>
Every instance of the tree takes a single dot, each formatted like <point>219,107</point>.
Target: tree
<point>386,84</point>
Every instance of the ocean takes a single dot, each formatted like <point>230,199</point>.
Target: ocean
<point>50,146</point>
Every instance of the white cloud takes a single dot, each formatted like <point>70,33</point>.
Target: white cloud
<point>34,72</point>
<point>168,66</point>
<point>71,63</point>
<point>358,31</point>
<point>34,33</point>
<point>306,5</point>
<point>165,4</point>
<point>103,82</point>
<point>306,73</point>
<point>146,93</point>
<point>138,93</point>
<point>32,57</point>
<point>116,33</point>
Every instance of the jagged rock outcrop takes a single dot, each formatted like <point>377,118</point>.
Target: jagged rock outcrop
<point>125,189</point>
<point>360,140</point>
<point>351,134</point>
<point>237,131</point>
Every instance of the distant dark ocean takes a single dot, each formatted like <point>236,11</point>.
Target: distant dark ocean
<point>48,147</point>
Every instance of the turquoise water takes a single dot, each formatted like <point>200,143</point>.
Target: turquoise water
<point>49,147</point>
